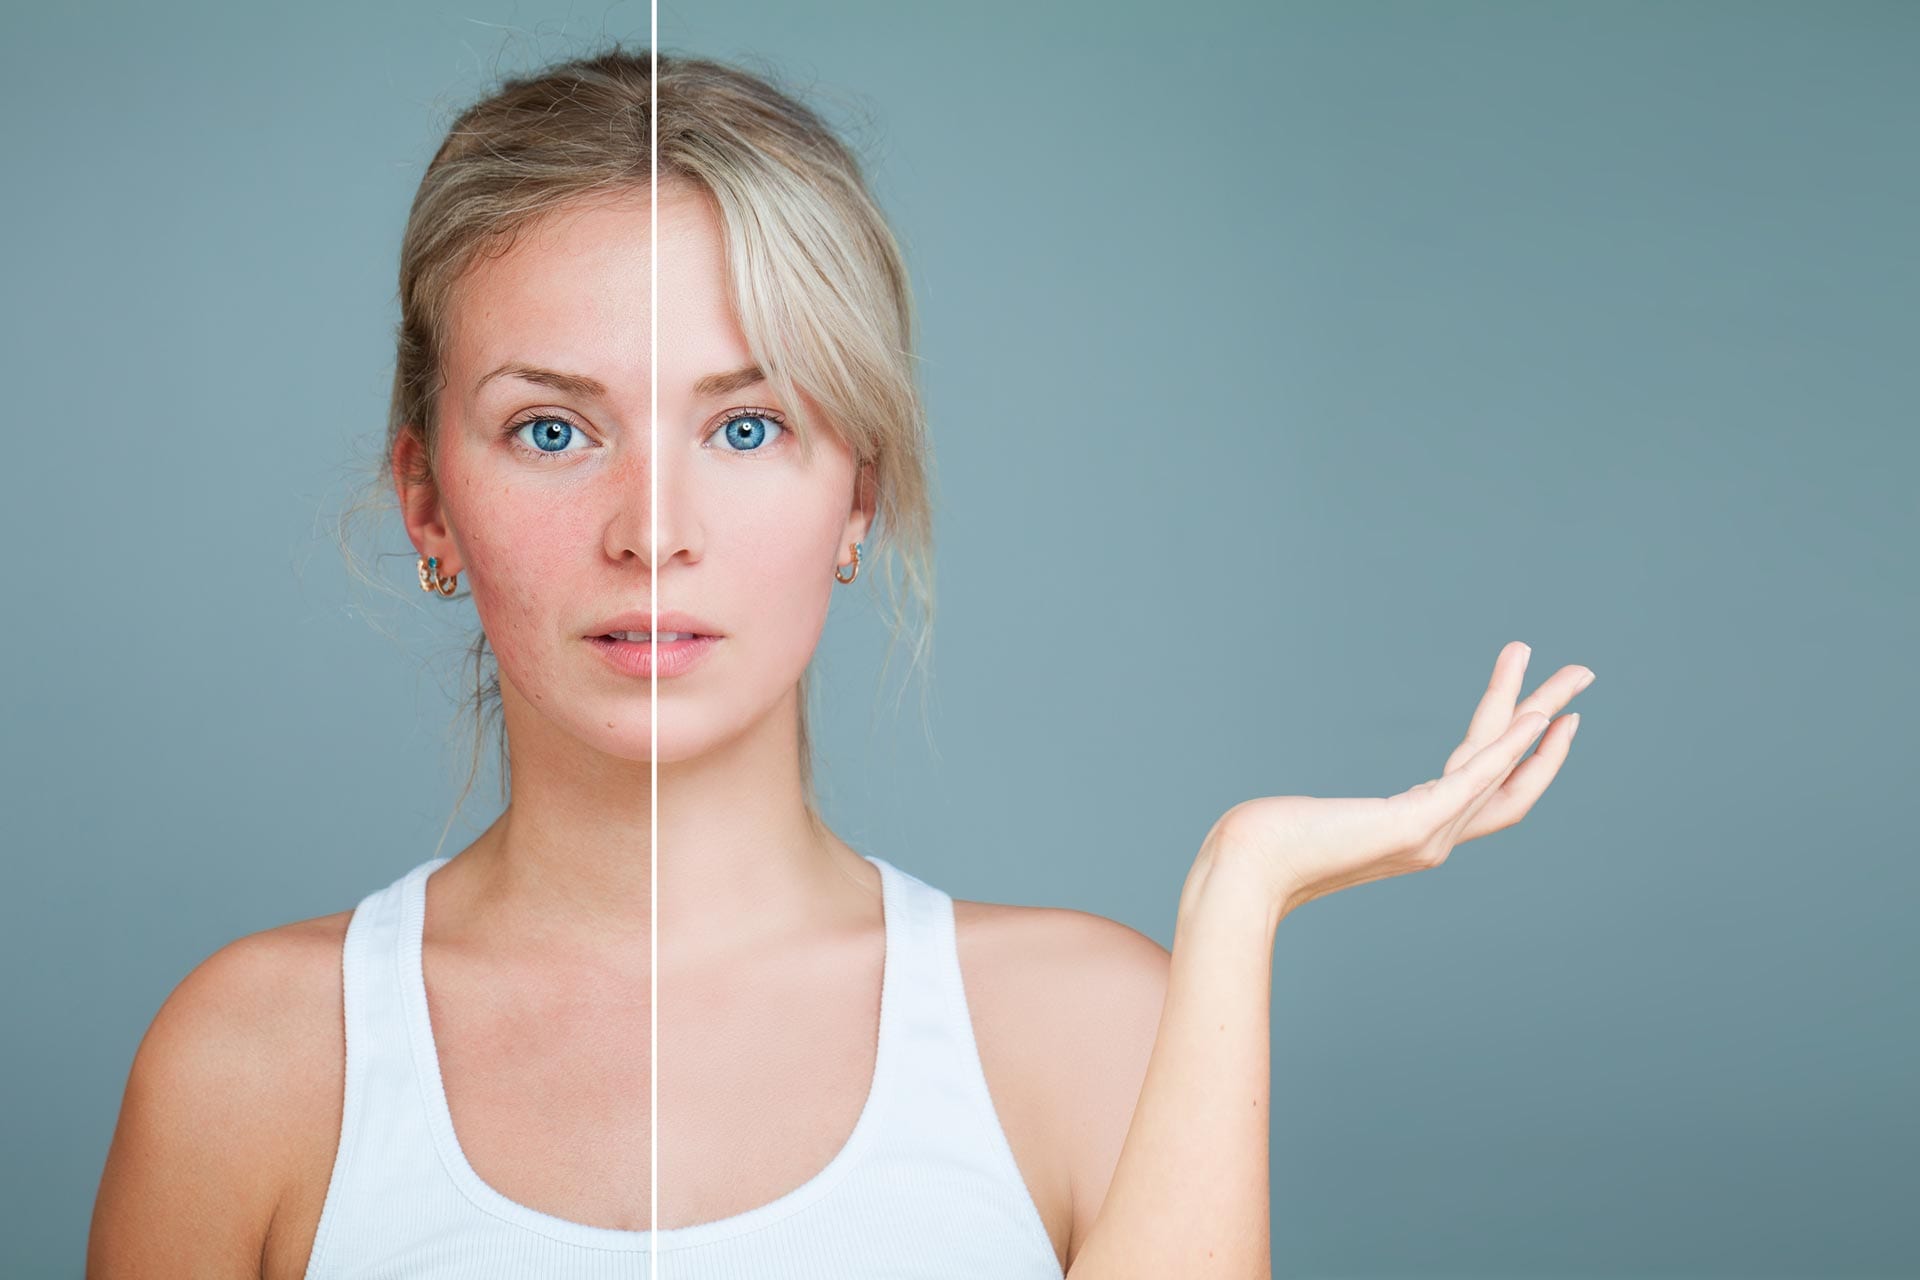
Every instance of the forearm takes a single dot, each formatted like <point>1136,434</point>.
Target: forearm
<point>1189,1194</point>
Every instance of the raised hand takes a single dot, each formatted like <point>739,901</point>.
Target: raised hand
<point>1189,1195</point>
<point>1298,848</point>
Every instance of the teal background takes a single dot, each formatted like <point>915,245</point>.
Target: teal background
<point>1285,361</point>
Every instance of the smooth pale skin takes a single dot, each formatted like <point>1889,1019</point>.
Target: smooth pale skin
<point>1189,1196</point>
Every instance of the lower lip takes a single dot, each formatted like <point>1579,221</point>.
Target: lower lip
<point>636,658</point>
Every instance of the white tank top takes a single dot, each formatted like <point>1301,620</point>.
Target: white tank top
<point>926,1185</point>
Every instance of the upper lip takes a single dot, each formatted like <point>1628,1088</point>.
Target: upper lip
<point>641,620</point>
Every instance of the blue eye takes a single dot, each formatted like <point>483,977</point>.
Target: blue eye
<point>551,433</point>
<point>751,429</point>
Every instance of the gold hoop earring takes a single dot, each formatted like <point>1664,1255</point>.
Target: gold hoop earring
<point>430,579</point>
<point>856,567</point>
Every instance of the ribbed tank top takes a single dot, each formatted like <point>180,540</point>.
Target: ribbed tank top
<point>926,1185</point>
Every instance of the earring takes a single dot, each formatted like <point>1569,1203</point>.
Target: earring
<point>856,567</point>
<point>430,579</point>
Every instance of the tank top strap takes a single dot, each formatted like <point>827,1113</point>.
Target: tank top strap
<point>385,1135</point>
<point>940,1098</point>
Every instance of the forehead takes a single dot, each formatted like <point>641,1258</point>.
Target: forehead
<point>579,268</point>
<point>574,290</point>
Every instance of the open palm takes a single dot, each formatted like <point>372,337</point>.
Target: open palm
<point>1305,847</point>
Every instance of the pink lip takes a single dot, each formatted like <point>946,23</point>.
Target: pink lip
<point>641,620</point>
<point>676,657</point>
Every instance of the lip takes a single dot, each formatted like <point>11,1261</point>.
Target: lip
<point>641,620</point>
<point>630,657</point>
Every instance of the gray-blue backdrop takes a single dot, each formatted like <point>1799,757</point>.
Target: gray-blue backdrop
<point>1285,360</point>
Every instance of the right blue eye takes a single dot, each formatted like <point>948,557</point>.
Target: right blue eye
<point>551,434</point>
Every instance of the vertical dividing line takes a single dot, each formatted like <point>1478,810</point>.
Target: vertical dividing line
<point>653,634</point>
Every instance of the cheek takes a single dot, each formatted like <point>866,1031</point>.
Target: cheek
<point>521,546</point>
<point>787,552</point>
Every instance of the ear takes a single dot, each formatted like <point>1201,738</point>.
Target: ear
<point>420,501</point>
<point>866,498</point>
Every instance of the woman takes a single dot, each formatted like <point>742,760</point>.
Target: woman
<point>453,1077</point>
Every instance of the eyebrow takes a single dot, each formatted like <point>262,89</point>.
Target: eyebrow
<point>573,384</point>
<point>725,384</point>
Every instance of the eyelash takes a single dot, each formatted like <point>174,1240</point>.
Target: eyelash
<point>734,415</point>
<point>513,429</point>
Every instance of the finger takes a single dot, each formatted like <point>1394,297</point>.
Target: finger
<point>1556,691</point>
<point>1443,799</point>
<point>1495,712</point>
<point>1500,807</point>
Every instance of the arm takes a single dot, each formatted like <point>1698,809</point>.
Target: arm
<point>185,1190</point>
<point>1190,1195</point>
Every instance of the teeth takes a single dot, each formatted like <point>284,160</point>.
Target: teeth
<point>641,637</point>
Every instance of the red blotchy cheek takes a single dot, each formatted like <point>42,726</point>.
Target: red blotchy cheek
<point>537,555</point>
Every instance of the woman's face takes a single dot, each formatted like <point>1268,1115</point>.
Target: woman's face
<point>543,503</point>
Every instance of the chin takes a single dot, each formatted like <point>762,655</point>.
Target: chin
<point>683,742</point>
<point>621,728</point>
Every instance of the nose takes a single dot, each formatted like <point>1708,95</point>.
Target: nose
<point>642,501</point>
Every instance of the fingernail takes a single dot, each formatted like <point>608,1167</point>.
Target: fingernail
<point>1585,680</point>
<point>1573,725</point>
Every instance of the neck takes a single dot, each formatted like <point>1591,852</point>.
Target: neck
<point>741,861</point>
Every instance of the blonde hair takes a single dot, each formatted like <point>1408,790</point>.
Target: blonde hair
<point>818,281</point>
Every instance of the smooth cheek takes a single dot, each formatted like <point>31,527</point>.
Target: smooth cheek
<point>785,571</point>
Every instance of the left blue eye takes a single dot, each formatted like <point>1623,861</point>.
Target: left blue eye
<point>752,430</point>
<point>550,434</point>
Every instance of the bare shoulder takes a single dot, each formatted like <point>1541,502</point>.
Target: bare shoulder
<point>1066,1005</point>
<point>1058,962</point>
<point>233,1090</point>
